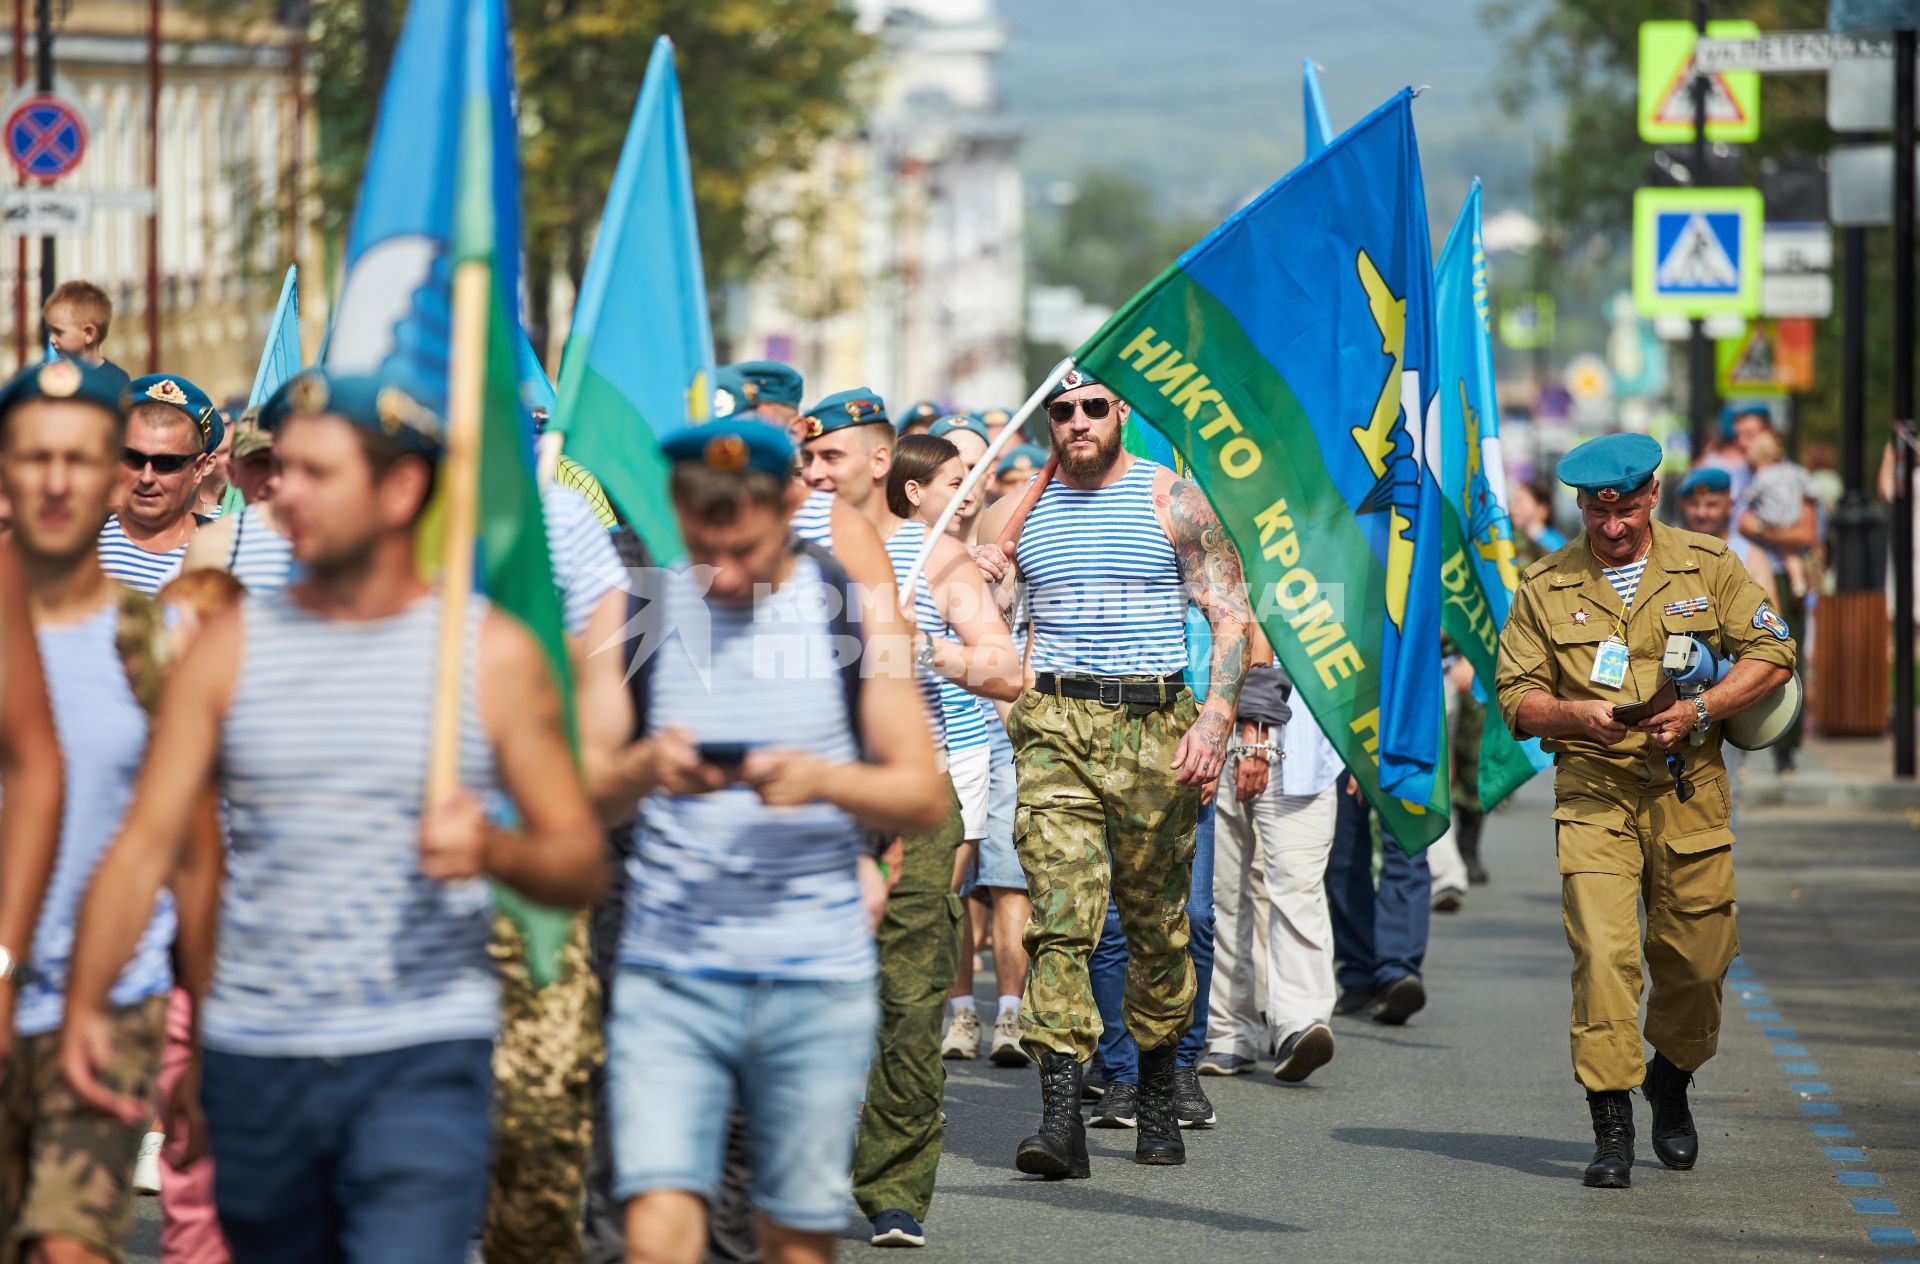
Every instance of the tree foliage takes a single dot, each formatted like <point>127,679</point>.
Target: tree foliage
<point>1109,238</point>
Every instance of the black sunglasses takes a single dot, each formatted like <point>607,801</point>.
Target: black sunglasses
<point>1060,411</point>
<point>1681,786</point>
<point>162,462</point>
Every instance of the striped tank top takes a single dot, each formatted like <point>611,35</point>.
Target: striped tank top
<point>813,521</point>
<point>720,884</point>
<point>902,547</point>
<point>586,567</point>
<point>261,558</point>
<point>332,942</point>
<point>1105,594</point>
<point>102,732</point>
<point>134,566</point>
<point>965,716</point>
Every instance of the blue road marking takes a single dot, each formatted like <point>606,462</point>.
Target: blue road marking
<point>1874,1206</point>
<point>1819,1108</point>
<point>1768,1016</point>
<point>1886,1235</point>
<point>1831,1130</point>
<point>1861,1180</point>
<point>1754,998</point>
<point>1808,1088</point>
<point>1844,1154</point>
<point>1780,1033</point>
<point>1789,1051</point>
<point>1799,1068</point>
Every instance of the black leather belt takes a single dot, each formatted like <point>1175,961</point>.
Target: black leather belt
<point>1110,691</point>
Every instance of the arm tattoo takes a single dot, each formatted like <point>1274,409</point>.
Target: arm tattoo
<point>1211,567</point>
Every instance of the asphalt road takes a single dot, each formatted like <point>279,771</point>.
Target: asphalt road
<point>1462,1135</point>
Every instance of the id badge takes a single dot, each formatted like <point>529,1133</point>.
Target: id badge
<point>1610,664</point>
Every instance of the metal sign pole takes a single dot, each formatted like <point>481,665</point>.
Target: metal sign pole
<point>1903,139</point>
<point>1699,362</point>
<point>43,18</point>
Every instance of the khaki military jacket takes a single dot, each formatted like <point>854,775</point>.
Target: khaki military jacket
<point>1565,608</point>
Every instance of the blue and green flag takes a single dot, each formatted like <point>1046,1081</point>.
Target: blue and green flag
<point>1290,358</point>
<point>279,360</point>
<point>639,358</point>
<point>1314,108</point>
<point>1478,571</point>
<point>441,193</point>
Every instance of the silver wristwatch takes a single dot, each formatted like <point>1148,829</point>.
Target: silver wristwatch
<point>924,655</point>
<point>1701,720</point>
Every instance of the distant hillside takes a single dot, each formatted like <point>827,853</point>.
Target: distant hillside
<point>1201,98</point>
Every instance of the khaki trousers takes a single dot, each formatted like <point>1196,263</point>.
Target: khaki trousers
<point>1623,845</point>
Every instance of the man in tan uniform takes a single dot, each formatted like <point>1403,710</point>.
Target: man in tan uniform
<point>1640,810</point>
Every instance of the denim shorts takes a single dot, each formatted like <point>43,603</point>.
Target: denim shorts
<point>998,865</point>
<point>683,1051</point>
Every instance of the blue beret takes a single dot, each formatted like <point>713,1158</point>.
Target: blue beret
<point>1611,466</point>
<point>991,417</point>
<point>842,409</point>
<point>1027,456</point>
<point>176,392</point>
<point>1071,380</point>
<point>959,421</point>
<point>63,379</point>
<point>926,410</point>
<point>743,386</point>
<point>373,401</point>
<point>732,444</point>
<point>1708,478</point>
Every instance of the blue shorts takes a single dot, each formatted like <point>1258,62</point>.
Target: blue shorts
<point>997,864</point>
<point>683,1051</point>
<point>379,1156</point>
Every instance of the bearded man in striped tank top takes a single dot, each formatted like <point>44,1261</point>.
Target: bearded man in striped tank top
<point>1112,750</point>
<point>349,1021</point>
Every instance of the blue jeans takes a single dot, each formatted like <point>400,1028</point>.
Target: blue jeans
<point>379,1156</point>
<point>684,1051</point>
<point>1379,935</point>
<point>1119,1052</point>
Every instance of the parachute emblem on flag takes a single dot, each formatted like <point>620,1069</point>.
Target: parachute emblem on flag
<point>1386,442</point>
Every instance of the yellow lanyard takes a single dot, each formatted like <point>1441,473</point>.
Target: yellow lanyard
<point>1626,608</point>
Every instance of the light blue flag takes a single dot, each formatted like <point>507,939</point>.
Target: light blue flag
<point>1479,572</point>
<point>1319,130</point>
<point>280,358</point>
<point>639,358</point>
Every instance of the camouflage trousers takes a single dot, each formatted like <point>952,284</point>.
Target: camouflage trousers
<point>919,941</point>
<point>550,1041</point>
<point>1099,810</point>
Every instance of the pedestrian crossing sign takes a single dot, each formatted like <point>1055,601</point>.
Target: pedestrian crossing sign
<point>1666,86</point>
<point>1696,252</point>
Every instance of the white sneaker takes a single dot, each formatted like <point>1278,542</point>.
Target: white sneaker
<point>1006,1041</point>
<point>146,1168</point>
<point>963,1036</point>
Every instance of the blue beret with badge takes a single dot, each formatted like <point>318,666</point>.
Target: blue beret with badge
<point>738,443</point>
<point>1611,466</point>
<point>858,407</point>
<point>176,392</point>
<point>991,417</point>
<point>746,384</point>
<point>959,421</point>
<point>63,379</point>
<point>1027,456</point>
<point>374,401</point>
<point>1071,380</point>
<point>925,411</point>
<point>1708,478</point>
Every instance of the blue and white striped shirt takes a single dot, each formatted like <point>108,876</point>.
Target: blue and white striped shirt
<point>332,942</point>
<point>586,566</point>
<point>134,566</point>
<point>720,884</point>
<point>1105,593</point>
<point>102,731</point>
<point>1625,580</point>
<point>902,547</point>
<point>261,558</point>
<point>965,717</point>
<point>813,521</point>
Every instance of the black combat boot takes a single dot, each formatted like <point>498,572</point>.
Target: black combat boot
<point>1059,1150</point>
<point>1612,1166</point>
<point>1158,1141</point>
<point>1674,1140</point>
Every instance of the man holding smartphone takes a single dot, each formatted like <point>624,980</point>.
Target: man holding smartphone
<point>1641,798</point>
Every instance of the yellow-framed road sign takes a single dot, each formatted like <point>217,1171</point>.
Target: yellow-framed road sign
<point>1666,98</point>
<point>1696,252</point>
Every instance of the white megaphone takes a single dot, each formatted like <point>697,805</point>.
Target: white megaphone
<point>1695,668</point>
